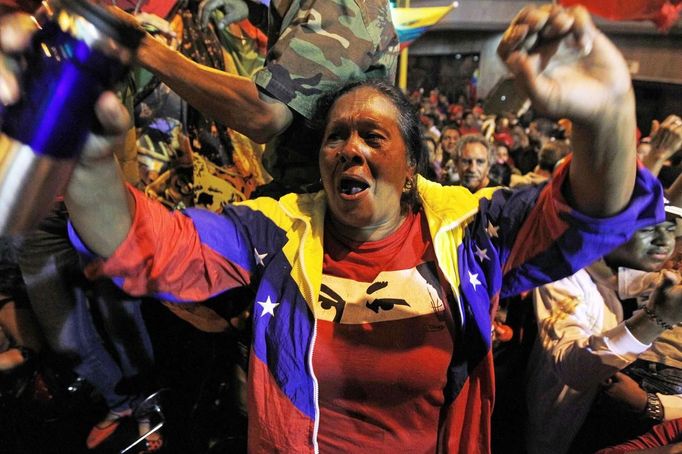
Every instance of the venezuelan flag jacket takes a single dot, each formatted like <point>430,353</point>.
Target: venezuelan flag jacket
<point>507,241</point>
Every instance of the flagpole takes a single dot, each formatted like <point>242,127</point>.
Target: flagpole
<point>402,69</point>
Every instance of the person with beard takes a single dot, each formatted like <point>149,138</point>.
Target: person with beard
<point>473,157</point>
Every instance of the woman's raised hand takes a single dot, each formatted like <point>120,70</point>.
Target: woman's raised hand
<point>564,63</point>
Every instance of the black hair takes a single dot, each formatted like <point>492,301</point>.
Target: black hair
<point>551,153</point>
<point>408,118</point>
<point>449,125</point>
<point>500,174</point>
<point>408,124</point>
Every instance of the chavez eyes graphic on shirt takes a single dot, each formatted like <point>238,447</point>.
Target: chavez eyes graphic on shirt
<point>394,295</point>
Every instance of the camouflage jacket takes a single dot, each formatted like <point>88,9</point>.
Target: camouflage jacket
<point>317,46</point>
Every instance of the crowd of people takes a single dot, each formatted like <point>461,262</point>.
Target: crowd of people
<point>391,273</point>
<point>567,383</point>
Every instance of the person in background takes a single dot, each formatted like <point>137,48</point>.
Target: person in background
<point>523,154</point>
<point>310,257</point>
<point>501,153</point>
<point>665,142</point>
<point>64,301</point>
<point>473,157</point>
<point>470,124</point>
<point>502,169</point>
<point>586,335</point>
<point>500,174</point>
<point>449,136</point>
<point>550,155</point>
<point>502,132</point>
<point>430,129</point>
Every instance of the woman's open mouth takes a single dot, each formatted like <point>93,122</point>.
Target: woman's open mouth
<point>352,187</point>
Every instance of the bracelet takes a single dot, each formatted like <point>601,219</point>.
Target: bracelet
<point>654,407</point>
<point>659,321</point>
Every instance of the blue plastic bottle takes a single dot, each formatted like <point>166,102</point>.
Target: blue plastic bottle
<point>79,51</point>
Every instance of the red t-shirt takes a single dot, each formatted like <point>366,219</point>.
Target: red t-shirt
<point>664,434</point>
<point>384,342</point>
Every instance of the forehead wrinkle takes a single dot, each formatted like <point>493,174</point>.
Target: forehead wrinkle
<point>366,98</point>
<point>362,120</point>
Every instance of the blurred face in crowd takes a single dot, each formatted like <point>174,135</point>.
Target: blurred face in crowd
<point>469,120</point>
<point>647,250</point>
<point>426,121</point>
<point>455,113</point>
<point>501,123</point>
<point>473,166</point>
<point>364,164</point>
<point>448,139</point>
<point>520,138</point>
<point>433,97</point>
<point>501,154</point>
<point>533,131</point>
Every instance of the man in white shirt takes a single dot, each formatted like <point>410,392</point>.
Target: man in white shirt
<point>583,339</point>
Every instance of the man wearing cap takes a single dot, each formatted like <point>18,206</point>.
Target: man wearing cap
<point>586,337</point>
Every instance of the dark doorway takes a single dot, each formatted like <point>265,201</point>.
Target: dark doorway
<point>655,101</point>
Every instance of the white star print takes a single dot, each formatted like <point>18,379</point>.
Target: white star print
<point>492,230</point>
<point>268,307</point>
<point>482,254</point>
<point>473,279</point>
<point>259,257</point>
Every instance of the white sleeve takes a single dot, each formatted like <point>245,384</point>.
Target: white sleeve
<point>672,406</point>
<point>633,283</point>
<point>580,334</point>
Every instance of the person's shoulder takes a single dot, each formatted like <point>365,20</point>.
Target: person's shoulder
<point>571,291</point>
<point>291,205</point>
<point>446,202</point>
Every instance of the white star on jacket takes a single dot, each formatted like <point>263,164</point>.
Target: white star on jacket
<point>268,307</point>
<point>473,279</point>
<point>259,257</point>
<point>482,254</point>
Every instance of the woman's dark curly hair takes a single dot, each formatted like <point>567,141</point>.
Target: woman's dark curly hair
<point>408,124</point>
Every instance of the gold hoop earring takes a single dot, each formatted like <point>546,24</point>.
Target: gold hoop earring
<point>408,186</point>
